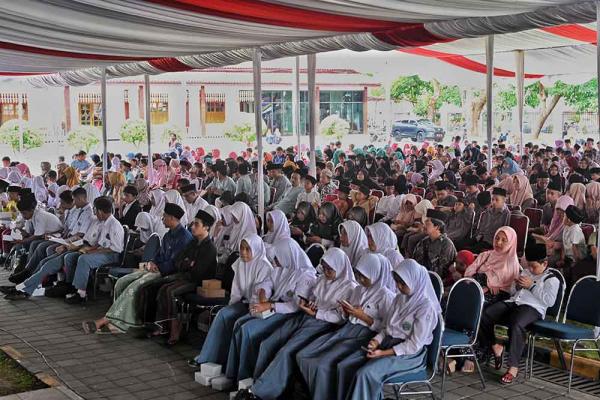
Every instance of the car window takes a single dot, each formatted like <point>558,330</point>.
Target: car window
<point>404,121</point>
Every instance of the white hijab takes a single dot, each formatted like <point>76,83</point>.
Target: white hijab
<point>383,236</point>
<point>281,227</point>
<point>244,226</point>
<point>327,293</point>
<point>357,238</point>
<point>38,188</point>
<point>173,196</point>
<point>92,192</point>
<point>216,228</point>
<point>148,225</point>
<point>421,296</point>
<point>159,203</point>
<point>4,173</point>
<point>14,177</point>
<point>252,274</point>
<point>295,271</point>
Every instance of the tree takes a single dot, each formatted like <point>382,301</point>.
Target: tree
<point>409,88</point>
<point>85,137</point>
<point>173,130</point>
<point>477,102</point>
<point>334,126</point>
<point>133,131</point>
<point>245,131</point>
<point>426,97</point>
<point>19,135</point>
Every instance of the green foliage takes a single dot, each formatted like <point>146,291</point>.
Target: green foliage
<point>449,95</point>
<point>133,131</point>
<point>85,137</point>
<point>427,97</point>
<point>11,132</point>
<point>244,133</point>
<point>506,99</point>
<point>377,91</point>
<point>334,126</point>
<point>173,129</point>
<point>410,88</point>
<point>582,97</point>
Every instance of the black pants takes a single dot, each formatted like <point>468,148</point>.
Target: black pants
<point>473,245</point>
<point>516,318</point>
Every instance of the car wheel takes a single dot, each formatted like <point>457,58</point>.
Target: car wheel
<point>420,136</point>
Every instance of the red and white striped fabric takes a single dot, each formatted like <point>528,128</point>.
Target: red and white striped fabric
<point>70,41</point>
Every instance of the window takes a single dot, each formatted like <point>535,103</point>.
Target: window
<point>347,104</point>
<point>159,108</point>
<point>276,109</point>
<point>13,106</point>
<point>247,101</point>
<point>215,108</point>
<point>90,109</point>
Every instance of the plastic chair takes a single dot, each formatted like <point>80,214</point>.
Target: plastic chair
<point>588,229</point>
<point>377,193</point>
<point>459,194</point>
<point>535,216</point>
<point>520,223</point>
<point>552,314</point>
<point>438,284</point>
<point>424,376</point>
<point>582,309</point>
<point>463,315</point>
<point>330,198</point>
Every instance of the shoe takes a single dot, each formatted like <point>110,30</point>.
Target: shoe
<point>19,277</point>
<point>75,299</point>
<point>60,290</point>
<point>17,295</point>
<point>245,394</point>
<point>7,289</point>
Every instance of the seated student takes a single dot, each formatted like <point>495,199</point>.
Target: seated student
<point>322,362</point>
<point>382,240</point>
<point>343,202</point>
<point>389,205</point>
<point>532,292</point>
<point>443,199</point>
<point>287,202</point>
<point>417,232</point>
<point>353,240</point>
<point>471,189</point>
<point>325,229</point>
<point>540,188</point>
<point>491,219</point>
<point>364,199</point>
<point>252,270</point>
<point>592,203</point>
<point>520,192</point>
<point>239,222</point>
<point>406,215</point>
<point>277,227</point>
<point>435,251</point>
<point>321,313</point>
<point>195,263</point>
<point>462,261</point>
<point>574,247</point>
<point>496,269</point>
<point>293,275</point>
<point>303,218</point>
<point>192,200</point>
<point>359,215</point>
<point>460,220</point>
<point>400,346</point>
<point>310,194</point>
<point>129,207</point>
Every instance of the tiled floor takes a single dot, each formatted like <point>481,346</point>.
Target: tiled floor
<point>122,367</point>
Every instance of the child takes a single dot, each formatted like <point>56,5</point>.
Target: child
<point>310,195</point>
<point>531,294</point>
<point>343,202</point>
<point>573,240</point>
<point>363,198</point>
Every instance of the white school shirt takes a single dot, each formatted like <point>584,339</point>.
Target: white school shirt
<point>91,236</point>
<point>389,206</point>
<point>573,235</point>
<point>69,219</point>
<point>191,209</point>
<point>111,235</point>
<point>540,296</point>
<point>310,198</point>
<point>84,218</point>
<point>43,223</point>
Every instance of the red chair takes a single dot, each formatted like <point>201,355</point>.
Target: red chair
<point>535,216</point>
<point>330,198</point>
<point>377,193</point>
<point>273,191</point>
<point>419,198</point>
<point>418,191</point>
<point>520,223</point>
<point>588,229</point>
<point>459,194</point>
<point>513,208</point>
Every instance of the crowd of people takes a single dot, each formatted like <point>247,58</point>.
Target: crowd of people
<point>330,286</point>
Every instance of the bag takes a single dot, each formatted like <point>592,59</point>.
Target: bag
<point>17,260</point>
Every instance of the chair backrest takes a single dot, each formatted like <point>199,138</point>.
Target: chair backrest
<point>418,191</point>
<point>464,307</point>
<point>520,223</point>
<point>438,285</point>
<point>587,229</point>
<point>433,350</point>
<point>377,193</point>
<point>126,240</point>
<point>273,191</point>
<point>315,252</point>
<point>554,311</point>
<point>535,216</point>
<point>330,198</point>
<point>459,194</point>
<point>513,208</point>
<point>583,306</point>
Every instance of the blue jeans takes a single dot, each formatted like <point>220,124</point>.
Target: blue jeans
<point>88,262</point>
<point>52,265</point>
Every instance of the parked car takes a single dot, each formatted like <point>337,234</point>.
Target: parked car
<point>415,130</point>
<point>439,131</point>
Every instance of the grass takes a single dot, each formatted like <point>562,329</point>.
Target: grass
<point>16,379</point>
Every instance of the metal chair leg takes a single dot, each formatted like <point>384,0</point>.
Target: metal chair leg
<point>478,368</point>
<point>571,367</point>
<point>445,367</point>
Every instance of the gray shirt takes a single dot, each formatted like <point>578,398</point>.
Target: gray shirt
<point>287,204</point>
<point>459,225</point>
<point>281,185</point>
<point>244,185</point>
<point>491,220</point>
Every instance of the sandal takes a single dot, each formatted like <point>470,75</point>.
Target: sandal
<point>89,327</point>
<point>507,379</point>
<point>109,330</point>
<point>499,360</point>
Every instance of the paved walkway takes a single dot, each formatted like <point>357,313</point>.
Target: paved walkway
<point>121,367</point>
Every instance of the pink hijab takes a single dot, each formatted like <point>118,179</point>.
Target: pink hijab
<point>556,225</point>
<point>577,193</point>
<point>159,178</point>
<point>592,205</point>
<point>24,170</point>
<point>501,268</point>
<point>521,191</point>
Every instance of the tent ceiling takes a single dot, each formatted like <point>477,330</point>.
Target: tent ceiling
<point>77,38</point>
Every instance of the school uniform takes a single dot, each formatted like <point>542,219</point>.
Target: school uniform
<point>191,209</point>
<point>281,185</point>
<point>129,214</point>
<point>244,290</point>
<point>276,359</point>
<point>388,207</point>
<point>319,362</point>
<point>491,220</point>
<point>310,198</point>
<point>459,225</point>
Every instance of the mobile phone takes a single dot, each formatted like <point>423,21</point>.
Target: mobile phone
<point>302,298</point>
<point>364,349</point>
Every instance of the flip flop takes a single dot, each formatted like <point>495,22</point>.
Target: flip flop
<point>507,379</point>
<point>89,327</point>
<point>499,360</point>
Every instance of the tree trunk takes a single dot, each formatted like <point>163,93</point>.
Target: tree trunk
<point>546,110</point>
<point>476,108</point>
<point>431,103</point>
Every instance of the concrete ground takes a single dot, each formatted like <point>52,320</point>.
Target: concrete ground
<point>121,367</point>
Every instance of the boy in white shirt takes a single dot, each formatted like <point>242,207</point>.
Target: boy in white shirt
<point>310,195</point>
<point>573,239</point>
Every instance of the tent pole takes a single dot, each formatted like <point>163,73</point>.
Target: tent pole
<point>150,168</point>
<point>104,128</point>
<point>296,102</point>
<point>312,111</point>
<point>257,74</point>
<point>520,75</point>
<point>598,80</point>
<point>489,62</point>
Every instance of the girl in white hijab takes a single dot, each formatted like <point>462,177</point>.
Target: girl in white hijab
<point>251,271</point>
<point>321,313</point>
<point>173,196</point>
<point>278,226</point>
<point>39,189</point>
<point>157,199</point>
<point>14,177</point>
<point>353,240</point>
<point>437,169</point>
<point>384,241</point>
<point>400,347</point>
<point>323,362</point>
<point>240,222</point>
<point>216,229</point>
<point>293,275</point>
